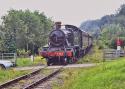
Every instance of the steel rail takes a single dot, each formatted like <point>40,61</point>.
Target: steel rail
<point>42,80</point>
<point>20,78</point>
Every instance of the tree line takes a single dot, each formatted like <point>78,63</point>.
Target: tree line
<point>107,29</point>
<point>24,30</point>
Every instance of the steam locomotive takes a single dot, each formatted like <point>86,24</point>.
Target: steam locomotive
<point>67,43</point>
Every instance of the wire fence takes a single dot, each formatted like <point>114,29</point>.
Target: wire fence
<point>112,54</point>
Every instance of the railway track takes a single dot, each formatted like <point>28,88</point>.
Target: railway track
<point>31,80</point>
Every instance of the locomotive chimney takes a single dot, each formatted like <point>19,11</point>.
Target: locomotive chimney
<point>58,25</point>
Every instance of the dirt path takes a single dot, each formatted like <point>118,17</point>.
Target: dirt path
<point>51,67</point>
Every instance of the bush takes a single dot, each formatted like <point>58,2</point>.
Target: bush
<point>23,53</point>
<point>101,47</point>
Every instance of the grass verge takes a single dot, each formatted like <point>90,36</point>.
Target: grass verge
<point>108,75</point>
<point>6,75</point>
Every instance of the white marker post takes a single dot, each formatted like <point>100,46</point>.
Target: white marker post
<point>32,58</point>
<point>118,47</point>
<point>118,44</point>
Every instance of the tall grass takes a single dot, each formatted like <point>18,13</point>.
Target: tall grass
<point>6,75</point>
<point>24,62</point>
<point>28,62</point>
<point>95,55</point>
<point>108,75</point>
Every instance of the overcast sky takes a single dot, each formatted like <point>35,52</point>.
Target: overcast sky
<point>67,11</point>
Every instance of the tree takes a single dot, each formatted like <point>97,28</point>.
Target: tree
<point>110,33</point>
<point>30,29</point>
<point>122,10</point>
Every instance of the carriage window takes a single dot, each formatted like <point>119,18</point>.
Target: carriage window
<point>76,38</point>
<point>70,38</point>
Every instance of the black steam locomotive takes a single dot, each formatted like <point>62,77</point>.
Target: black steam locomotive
<point>67,44</point>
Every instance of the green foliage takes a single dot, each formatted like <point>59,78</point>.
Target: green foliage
<point>95,55</point>
<point>122,10</point>
<point>24,62</point>
<point>22,53</point>
<point>28,62</point>
<point>109,75</point>
<point>108,28</point>
<point>110,33</point>
<point>113,44</point>
<point>10,43</point>
<point>39,60</point>
<point>1,40</point>
<point>28,29</point>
